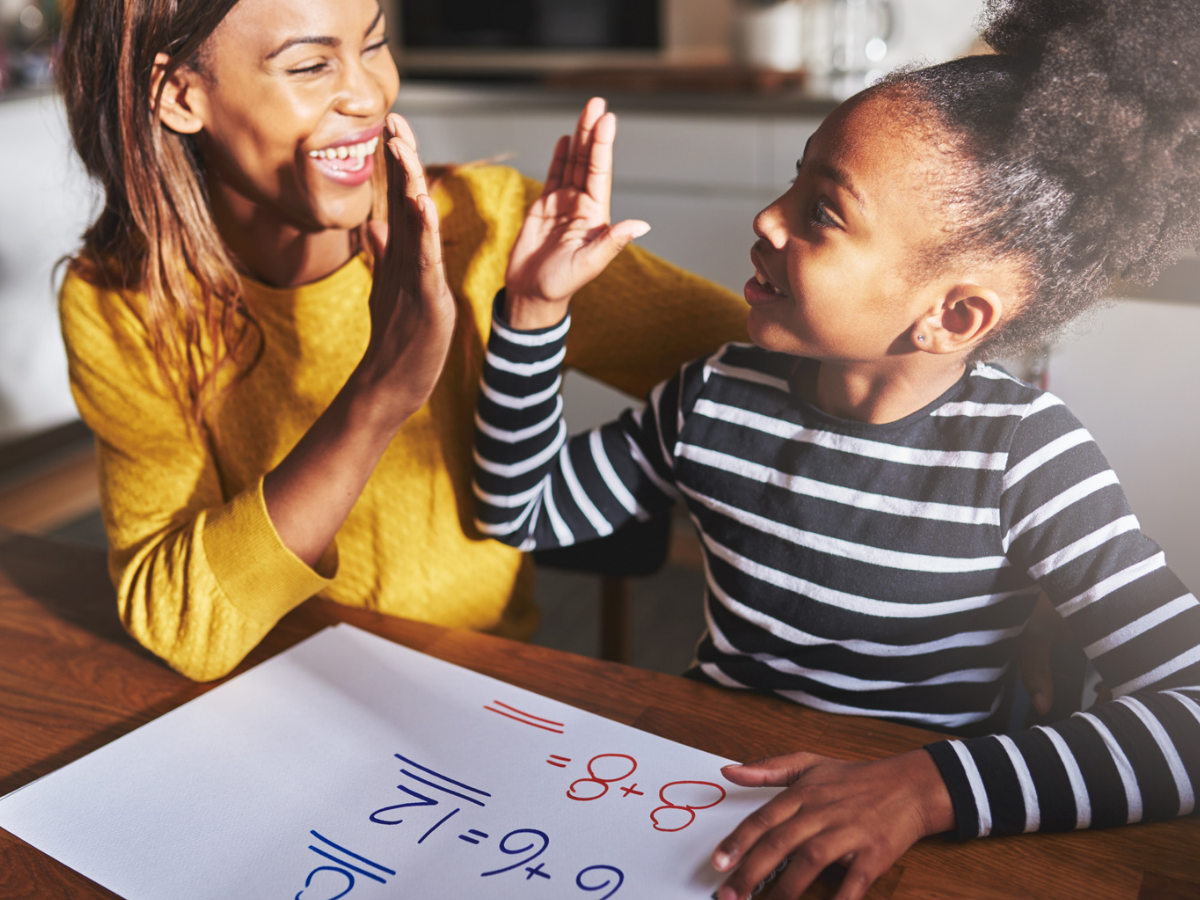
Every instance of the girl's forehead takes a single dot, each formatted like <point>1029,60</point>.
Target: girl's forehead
<point>885,147</point>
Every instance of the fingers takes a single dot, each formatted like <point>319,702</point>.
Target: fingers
<point>430,258</point>
<point>603,249</point>
<point>775,771</point>
<point>600,160</point>
<point>577,172</point>
<point>403,145</point>
<point>558,166</point>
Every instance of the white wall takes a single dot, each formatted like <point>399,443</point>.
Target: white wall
<point>45,203</point>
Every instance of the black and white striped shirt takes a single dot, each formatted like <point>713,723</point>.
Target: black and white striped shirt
<point>882,570</point>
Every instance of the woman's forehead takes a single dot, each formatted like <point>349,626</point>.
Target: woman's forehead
<point>269,24</point>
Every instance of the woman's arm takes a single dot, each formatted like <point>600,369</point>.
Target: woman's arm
<point>201,574</point>
<point>310,493</point>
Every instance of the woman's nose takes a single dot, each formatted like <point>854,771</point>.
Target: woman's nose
<point>362,94</point>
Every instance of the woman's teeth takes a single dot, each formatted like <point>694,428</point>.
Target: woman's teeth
<point>347,151</point>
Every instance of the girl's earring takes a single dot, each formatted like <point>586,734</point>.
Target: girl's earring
<point>920,337</point>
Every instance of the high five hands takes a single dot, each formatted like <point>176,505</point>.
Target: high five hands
<point>567,240</point>
<point>412,308</point>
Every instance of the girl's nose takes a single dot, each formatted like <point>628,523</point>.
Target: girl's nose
<point>769,225</point>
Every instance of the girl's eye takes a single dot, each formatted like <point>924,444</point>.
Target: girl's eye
<point>821,217</point>
<point>378,45</point>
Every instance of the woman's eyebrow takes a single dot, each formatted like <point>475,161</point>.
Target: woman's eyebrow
<point>322,40</point>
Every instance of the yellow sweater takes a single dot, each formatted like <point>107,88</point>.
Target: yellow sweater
<point>201,574</point>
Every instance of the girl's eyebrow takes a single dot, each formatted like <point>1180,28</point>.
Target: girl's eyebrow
<point>322,40</point>
<point>835,174</point>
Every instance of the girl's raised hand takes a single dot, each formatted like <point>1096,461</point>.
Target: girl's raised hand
<point>567,240</point>
<point>863,815</point>
<point>412,308</point>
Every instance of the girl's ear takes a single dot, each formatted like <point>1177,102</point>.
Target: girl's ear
<point>966,314</point>
<point>182,97</point>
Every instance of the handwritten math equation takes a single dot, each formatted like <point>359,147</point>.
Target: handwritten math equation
<point>436,809</point>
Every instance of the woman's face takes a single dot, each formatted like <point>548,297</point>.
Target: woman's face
<point>292,102</point>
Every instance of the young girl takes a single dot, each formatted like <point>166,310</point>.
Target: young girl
<point>878,507</point>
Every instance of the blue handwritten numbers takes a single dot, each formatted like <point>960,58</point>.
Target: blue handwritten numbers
<point>343,868</point>
<point>579,880</point>
<point>504,848</point>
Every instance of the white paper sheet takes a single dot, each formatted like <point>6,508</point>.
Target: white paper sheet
<point>350,766</point>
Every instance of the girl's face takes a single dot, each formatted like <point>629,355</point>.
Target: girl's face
<point>292,107</point>
<point>838,274</point>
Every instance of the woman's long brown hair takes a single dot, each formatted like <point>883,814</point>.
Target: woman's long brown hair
<point>156,234</point>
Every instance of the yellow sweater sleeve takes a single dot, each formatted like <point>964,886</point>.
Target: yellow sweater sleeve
<point>201,577</point>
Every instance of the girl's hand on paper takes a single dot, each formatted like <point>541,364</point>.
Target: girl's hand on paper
<point>567,240</point>
<point>412,307</point>
<point>863,815</point>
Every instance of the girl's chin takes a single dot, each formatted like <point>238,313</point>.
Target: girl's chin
<point>767,333</point>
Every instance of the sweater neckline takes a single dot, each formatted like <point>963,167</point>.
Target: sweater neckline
<point>335,283</point>
<point>855,426</point>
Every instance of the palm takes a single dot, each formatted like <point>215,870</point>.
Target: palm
<point>552,246</point>
<point>566,239</point>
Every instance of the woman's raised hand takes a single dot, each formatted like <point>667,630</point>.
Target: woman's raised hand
<point>567,240</point>
<point>412,308</point>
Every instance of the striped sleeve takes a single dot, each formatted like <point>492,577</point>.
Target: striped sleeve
<point>1066,522</point>
<point>535,487</point>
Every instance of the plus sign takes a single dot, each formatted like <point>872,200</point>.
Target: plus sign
<point>633,790</point>
<point>538,871</point>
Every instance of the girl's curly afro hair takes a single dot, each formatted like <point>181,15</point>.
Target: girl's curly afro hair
<point>1081,138</point>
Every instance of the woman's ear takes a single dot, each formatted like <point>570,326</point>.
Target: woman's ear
<point>182,96</point>
<point>967,313</point>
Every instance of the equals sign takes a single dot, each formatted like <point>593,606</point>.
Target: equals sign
<point>560,761</point>
<point>471,840</point>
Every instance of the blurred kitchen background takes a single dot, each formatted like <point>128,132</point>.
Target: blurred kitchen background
<point>715,100</point>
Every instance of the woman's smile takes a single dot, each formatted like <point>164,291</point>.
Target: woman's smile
<point>349,161</point>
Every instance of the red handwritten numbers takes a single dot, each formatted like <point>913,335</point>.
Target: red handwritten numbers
<point>572,791</point>
<point>673,815</point>
<point>688,808</point>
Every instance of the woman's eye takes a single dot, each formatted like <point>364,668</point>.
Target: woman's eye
<point>378,45</point>
<point>305,70</point>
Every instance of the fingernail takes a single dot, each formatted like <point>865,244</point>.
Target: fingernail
<point>721,861</point>
<point>727,893</point>
<point>641,230</point>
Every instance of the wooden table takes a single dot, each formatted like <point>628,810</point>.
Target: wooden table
<point>71,681</point>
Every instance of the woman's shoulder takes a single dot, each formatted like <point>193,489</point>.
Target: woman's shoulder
<point>90,297</point>
<point>482,189</point>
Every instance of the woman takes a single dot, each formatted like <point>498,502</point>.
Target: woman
<point>272,421</point>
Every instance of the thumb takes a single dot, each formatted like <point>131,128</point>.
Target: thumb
<point>600,252</point>
<point>775,771</point>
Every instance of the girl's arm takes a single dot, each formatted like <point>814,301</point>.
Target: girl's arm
<point>533,487</point>
<point>1066,522</point>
